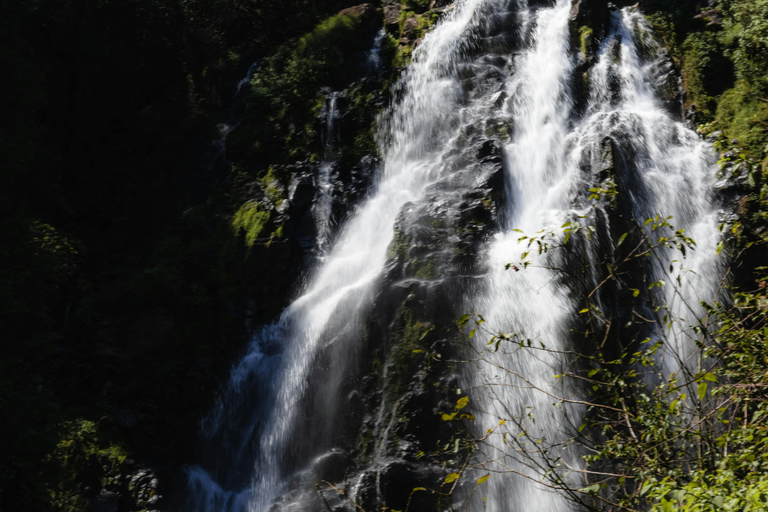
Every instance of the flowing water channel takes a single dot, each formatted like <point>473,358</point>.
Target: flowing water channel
<point>504,71</point>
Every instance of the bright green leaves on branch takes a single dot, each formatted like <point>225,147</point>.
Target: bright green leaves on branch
<point>460,404</point>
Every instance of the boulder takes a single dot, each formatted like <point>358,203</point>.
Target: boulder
<point>392,17</point>
<point>410,30</point>
<point>331,466</point>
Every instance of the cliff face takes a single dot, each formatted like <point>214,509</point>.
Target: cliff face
<point>155,211</point>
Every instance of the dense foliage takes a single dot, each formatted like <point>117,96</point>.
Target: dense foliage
<point>119,268</point>
<point>721,50</point>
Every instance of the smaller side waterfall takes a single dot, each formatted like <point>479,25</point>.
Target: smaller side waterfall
<point>322,209</point>
<point>373,56</point>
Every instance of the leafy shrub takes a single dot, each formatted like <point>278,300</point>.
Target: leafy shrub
<point>706,71</point>
<point>743,114</point>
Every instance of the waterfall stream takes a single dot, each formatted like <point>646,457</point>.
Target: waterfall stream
<point>553,158</point>
<point>502,70</point>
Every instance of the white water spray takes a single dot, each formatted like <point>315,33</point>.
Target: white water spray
<point>341,286</point>
<point>672,175</point>
<point>269,438</point>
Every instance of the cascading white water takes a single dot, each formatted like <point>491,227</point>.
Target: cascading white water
<point>540,187</point>
<point>675,174</point>
<point>672,175</point>
<point>430,112</point>
<point>373,56</point>
<point>264,439</point>
<point>322,208</point>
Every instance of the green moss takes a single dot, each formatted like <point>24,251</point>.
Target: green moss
<point>402,56</point>
<point>399,245</point>
<point>404,16</point>
<point>664,31</point>
<point>426,22</point>
<point>724,68</point>
<point>407,339</point>
<point>272,187</point>
<point>286,92</point>
<point>336,30</point>
<point>585,40</point>
<point>250,220</point>
<point>425,269</point>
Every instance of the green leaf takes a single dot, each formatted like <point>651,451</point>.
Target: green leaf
<point>710,377</point>
<point>462,402</point>
<point>483,479</point>
<point>592,489</point>
<point>702,390</point>
<point>472,333</point>
<point>452,477</point>
<point>635,292</point>
<point>621,239</point>
<point>448,417</point>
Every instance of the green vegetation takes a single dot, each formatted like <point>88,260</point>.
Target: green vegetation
<point>693,439</point>
<point>418,6</point>
<point>123,285</point>
<point>79,459</point>
<point>286,90</point>
<point>586,40</point>
<point>250,219</point>
<point>722,53</point>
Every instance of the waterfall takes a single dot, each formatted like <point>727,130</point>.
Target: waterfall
<point>540,187</point>
<point>263,436</point>
<point>552,159</point>
<point>323,205</point>
<point>373,56</point>
<point>491,70</point>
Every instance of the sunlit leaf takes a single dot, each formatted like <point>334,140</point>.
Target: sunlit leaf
<point>483,479</point>
<point>452,477</point>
